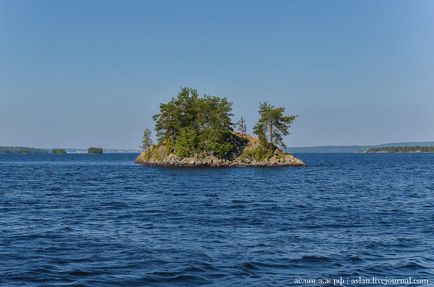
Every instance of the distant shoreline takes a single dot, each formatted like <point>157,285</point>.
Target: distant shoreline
<point>31,150</point>
<point>402,149</point>
<point>354,148</point>
<point>292,150</point>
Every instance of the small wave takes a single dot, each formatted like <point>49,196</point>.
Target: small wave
<point>239,201</point>
<point>254,265</point>
<point>413,265</point>
<point>236,206</point>
<point>314,259</point>
<point>250,266</point>
<point>117,204</point>
<point>173,278</point>
<point>55,188</point>
<point>355,258</point>
<point>194,269</point>
<point>379,269</point>
<point>80,273</point>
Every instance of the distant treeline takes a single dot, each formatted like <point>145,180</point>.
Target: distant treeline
<point>24,150</point>
<point>401,149</point>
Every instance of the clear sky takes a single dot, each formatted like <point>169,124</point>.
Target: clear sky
<point>85,73</point>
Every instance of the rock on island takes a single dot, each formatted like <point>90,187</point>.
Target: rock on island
<point>157,155</point>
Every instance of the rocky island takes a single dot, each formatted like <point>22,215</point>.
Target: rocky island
<point>195,131</point>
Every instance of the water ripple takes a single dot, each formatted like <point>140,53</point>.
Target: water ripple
<point>79,220</point>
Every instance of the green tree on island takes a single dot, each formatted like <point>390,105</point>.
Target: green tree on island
<point>272,125</point>
<point>186,143</point>
<point>147,140</point>
<point>241,126</point>
<point>193,125</point>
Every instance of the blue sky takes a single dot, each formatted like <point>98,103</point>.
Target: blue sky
<point>85,73</point>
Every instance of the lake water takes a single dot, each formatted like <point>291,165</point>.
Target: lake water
<point>101,220</point>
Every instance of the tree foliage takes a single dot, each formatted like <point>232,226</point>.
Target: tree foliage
<point>147,140</point>
<point>186,143</point>
<point>95,150</point>
<point>194,125</point>
<point>272,125</point>
<point>241,126</point>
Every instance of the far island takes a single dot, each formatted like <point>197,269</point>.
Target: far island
<point>402,149</point>
<point>94,150</point>
<point>58,151</point>
<point>194,131</point>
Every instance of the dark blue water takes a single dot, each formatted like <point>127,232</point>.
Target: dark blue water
<point>101,220</point>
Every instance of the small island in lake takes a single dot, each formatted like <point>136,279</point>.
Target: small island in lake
<point>94,150</point>
<point>58,151</point>
<point>402,149</point>
<point>195,131</point>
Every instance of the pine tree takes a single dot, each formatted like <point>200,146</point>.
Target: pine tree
<point>241,126</point>
<point>180,112</point>
<point>272,125</point>
<point>147,140</point>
